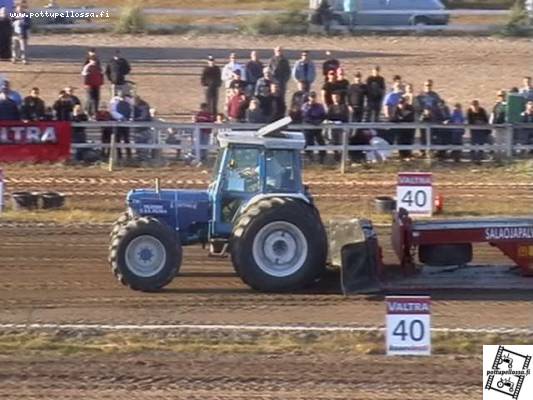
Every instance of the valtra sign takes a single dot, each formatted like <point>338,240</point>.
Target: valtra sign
<point>45,141</point>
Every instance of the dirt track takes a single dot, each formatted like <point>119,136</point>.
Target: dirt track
<point>57,273</point>
<point>239,377</point>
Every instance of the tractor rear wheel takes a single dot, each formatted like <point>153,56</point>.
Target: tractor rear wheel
<point>279,244</point>
<point>145,254</point>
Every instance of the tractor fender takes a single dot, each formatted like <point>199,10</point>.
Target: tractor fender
<point>257,198</point>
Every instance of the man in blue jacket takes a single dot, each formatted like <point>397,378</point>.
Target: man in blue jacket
<point>8,108</point>
<point>304,71</point>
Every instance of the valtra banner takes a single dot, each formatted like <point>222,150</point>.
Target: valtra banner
<point>43,141</point>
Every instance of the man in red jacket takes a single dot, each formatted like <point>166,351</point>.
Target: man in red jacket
<point>93,80</point>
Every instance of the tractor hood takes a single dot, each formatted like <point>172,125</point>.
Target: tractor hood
<point>180,209</point>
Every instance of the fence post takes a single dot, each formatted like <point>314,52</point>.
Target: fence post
<point>196,144</point>
<point>428,145</point>
<point>509,141</point>
<point>112,149</point>
<point>344,150</point>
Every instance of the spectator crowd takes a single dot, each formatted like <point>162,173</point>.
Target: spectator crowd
<point>257,91</point>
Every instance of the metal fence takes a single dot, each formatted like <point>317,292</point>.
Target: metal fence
<point>164,140</point>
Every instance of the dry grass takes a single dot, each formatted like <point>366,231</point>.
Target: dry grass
<point>63,216</point>
<point>71,342</point>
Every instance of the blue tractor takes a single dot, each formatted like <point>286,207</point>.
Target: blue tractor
<point>256,209</point>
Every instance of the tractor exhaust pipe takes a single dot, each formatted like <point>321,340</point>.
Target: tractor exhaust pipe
<point>157,185</point>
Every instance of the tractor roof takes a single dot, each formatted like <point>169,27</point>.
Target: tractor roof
<point>270,136</point>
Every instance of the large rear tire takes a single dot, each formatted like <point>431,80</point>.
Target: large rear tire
<point>145,254</point>
<point>279,244</point>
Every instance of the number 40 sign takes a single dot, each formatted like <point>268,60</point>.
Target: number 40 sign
<point>414,192</point>
<point>408,325</point>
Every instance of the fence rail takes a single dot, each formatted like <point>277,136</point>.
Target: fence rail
<point>506,139</point>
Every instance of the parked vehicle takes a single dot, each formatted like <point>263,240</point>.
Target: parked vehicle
<point>390,12</point>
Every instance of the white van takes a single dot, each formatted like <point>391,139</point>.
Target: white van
<point>390,12</point>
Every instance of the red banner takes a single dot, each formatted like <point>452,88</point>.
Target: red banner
<point>43,141</point>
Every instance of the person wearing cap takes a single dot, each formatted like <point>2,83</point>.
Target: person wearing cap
<point>254,71</point>
<point>499,110</point>
<point>281,69</point>
<point>116,70</point>
<point>313,113</point>
<point>211,80</point>
<point>375,85</point>
<point>331,64</point>
<point>304,71</point>
<point>33,107</point>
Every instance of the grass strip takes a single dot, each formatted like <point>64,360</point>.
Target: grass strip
<point>65,342</point>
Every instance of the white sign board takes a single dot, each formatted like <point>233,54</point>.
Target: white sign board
<point>1,190</point>
<point>414,192</point>
<point>408,325</point>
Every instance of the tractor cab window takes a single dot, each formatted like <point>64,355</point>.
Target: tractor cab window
<point>241,173</point>
<point>240,180</point>
<point>280,171</point>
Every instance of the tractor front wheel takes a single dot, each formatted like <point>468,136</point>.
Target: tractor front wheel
<point>145,254</point>
<point>279,244</point>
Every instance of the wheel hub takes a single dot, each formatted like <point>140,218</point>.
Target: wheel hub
<point>145,256</point>
<point>280,249</point>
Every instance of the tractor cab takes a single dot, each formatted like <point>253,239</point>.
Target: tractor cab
<point>252,165</point>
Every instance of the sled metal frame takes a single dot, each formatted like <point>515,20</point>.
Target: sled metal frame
<point>513,236</point>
